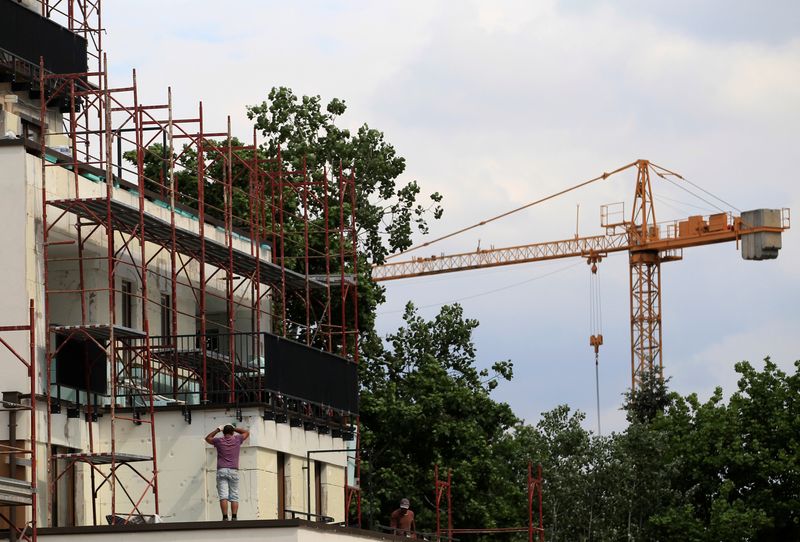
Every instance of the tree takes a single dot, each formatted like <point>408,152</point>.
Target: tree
<point>424,403</point>
<point>649,400</point>
<point>682,470</point>
<point>738,465</point>
<point>307,134</point>
<point>562,447</point>
<point>304,134</point>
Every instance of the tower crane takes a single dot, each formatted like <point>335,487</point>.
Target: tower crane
<point>648,243</point>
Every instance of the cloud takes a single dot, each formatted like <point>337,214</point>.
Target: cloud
<point>714,365</point>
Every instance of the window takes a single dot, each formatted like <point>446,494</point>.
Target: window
<point>31,131</point>
<point>127,303</point>
<point>126,318</point>
<point>318,466</point>
<point>281,485</point>
<point>63,507</point>
<point>166,315</point>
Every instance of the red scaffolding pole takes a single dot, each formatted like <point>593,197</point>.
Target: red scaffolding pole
<point>534,494</point>
<point>442,493</point>
<point>14,493</point>
<point>96,215</point>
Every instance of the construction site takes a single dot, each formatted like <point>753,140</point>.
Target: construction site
<point>136,318</point>
<point>145,303</point>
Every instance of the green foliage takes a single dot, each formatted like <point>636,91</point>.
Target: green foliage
<point>650,399</point>
<point>156,164</point>
<point>682,470</point>
<point>387,213</point>
<point>425,403</point>
<point>739,464</point>
<point>686,470</point>
<point>565,451</point>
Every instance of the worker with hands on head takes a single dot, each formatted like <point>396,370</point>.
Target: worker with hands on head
<point>228,446</point>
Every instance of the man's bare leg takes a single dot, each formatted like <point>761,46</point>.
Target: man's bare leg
<point>234,508</point>
<point>223,505</point>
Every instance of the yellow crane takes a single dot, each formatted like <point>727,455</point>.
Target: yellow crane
<point>648,243</point>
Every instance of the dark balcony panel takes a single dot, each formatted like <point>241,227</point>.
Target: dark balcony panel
<point>28,35</point>
<point>81,364</point>
<point>240,368</point>
<point>317,376</point>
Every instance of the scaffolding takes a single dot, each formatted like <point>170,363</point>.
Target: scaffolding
<point>133,216</point>
<point>442,497</point>
<point>16,492</point>
<point>535,520</point>
<point>157,198</point>
<point>96,225</point>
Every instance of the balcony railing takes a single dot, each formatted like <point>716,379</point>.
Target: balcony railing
<point>290,379</point>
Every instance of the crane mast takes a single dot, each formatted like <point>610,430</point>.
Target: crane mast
<point>648,243</point>
<point>645,281</point>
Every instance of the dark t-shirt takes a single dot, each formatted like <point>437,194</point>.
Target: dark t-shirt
<point>228,451</point>
<point>403,522</point>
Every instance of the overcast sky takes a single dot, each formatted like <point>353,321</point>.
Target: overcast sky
<point>495,104</point>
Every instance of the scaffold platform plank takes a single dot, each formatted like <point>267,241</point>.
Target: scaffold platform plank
<point>103,458</point>
<point>99,332</point>
<point>336,280</point>
<point>193,359</point>
<point>15,492</point>
<point>158,231</point>
<point>9,405</point>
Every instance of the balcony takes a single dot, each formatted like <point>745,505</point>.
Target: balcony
<point>290,379</point>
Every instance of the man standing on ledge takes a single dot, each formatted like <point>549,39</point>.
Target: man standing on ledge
<point>228,446</point>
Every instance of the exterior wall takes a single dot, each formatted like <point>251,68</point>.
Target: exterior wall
<point>295,483</point>
<point>13,288</point>
<point>64,272</point>
<point>18,106</point>
<point>187,466</point>
<point>333,484</point>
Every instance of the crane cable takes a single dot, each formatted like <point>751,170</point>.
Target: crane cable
<point>487,292</point>
<point>595,327</point>
<point>664,173</point>
<point>512,211</point>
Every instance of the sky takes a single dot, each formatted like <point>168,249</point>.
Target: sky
<point>497,103</point>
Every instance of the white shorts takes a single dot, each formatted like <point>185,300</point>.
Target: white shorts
<point>228,484</point>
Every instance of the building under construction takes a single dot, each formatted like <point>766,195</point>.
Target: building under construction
<point>161,278</point>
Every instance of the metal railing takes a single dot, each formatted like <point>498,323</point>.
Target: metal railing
<point>321,518</point>
<point>220,368</point>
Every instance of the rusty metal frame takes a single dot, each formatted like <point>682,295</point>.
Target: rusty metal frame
<point>30,365</point>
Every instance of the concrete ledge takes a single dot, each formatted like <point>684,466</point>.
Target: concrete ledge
<point>220,531</point>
